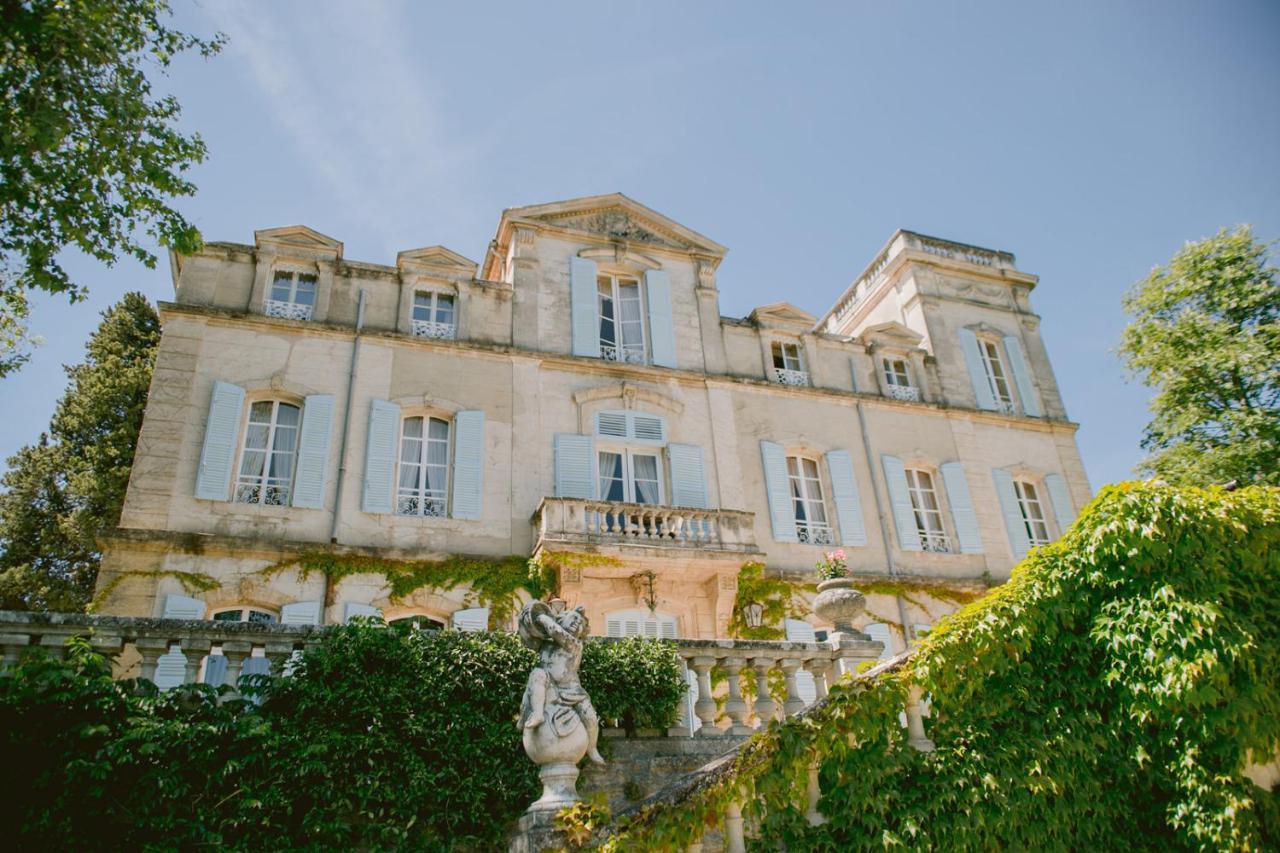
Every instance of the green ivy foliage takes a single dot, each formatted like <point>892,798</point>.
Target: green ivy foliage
<point>381,738</point>
<point>1108,697</point>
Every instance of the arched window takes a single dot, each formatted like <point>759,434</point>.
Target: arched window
<point>812,526</point>
<point>1032,510</point>
<point>423,487</point>
<point>255,615</point>
<point>268,454</point>
<point>419,623</point>
<point>640,623</point>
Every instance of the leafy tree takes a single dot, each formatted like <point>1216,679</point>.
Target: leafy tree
<point>1206,334</point>
<point>64,491</point>
<point>89,155</point>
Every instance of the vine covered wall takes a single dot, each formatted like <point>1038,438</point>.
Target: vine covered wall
<point>1109,696</point>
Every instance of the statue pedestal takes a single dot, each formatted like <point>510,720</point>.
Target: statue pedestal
<point>535,833</point>
<point>559,788</point>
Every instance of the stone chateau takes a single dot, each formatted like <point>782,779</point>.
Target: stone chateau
<point>578,391</point>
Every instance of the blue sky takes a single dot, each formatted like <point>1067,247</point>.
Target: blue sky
<point>1092,139</point>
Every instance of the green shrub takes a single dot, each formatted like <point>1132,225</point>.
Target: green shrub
<point>1108,697</point>
<point>382,738</point>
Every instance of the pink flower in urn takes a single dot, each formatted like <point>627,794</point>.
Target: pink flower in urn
<point>834,565</point>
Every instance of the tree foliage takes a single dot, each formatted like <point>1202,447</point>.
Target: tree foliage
<point>381,738</point>
<point>1109,696</point>
<point>89,154</point>
<point>1206,335</point>
<point>69,487</point>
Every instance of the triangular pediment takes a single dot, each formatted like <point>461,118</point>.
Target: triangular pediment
<point>618,217</point>
<point>783,314</point>
<point>298,236</point>
<point>436,256</point>
<point>893,333</point>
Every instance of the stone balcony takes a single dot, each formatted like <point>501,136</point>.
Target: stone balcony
<point>570,523</point>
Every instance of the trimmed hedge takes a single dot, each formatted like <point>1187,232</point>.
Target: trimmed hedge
<point>382,738</point>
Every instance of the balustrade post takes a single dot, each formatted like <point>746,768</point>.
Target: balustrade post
<point>735,837</point>
<point>735,707</point>
<point>794,704</point>
<point>150,650</point>
<point>814,792</point>
<point>55,645</point>
<point>820,669</point>
<point>13,645</point>
<point>765,708</point>
<point>194,651</point>
<point>683,726</point>
<point>915,721</point>
<point>235,651</point>
<point>705,707</point>
<point>278,654</point>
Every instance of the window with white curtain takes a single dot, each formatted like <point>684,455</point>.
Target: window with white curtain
<point>423,486</point>
<point>812,526</point>
<point>268,454</point>
<point>293,295</point>
<point>1032,512</point>
<point>927,510</point>
<point>622,334</point>
<point>630,476</point>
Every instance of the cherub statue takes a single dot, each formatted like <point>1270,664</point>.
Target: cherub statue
<point>554,697</point>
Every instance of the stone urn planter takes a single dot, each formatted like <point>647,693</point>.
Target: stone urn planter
<point>839,603</point>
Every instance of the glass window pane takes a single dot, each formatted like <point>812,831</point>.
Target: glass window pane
<point>413,427</point>
<point>439,429</point>
<point>255,436</point>
<point>289,415</point>
<point>444,308</point>
<point>227,616</point>
<point>305,292</point>
<point>251,463</point>
<point>282,287</point>
<point>422,306</point>
<point>260,412</point>
<point>261,617</point>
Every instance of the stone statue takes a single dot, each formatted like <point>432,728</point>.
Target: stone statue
<point>557,719</point>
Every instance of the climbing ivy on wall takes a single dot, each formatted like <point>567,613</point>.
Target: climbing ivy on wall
<point>780,599</point>
<point>1109,696</point>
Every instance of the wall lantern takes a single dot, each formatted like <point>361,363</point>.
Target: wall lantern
<point>754,613</point>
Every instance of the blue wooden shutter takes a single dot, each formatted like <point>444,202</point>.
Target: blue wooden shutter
<point>1022,376</point>
<point>313,452</point>
<point>171,669</point>
<point>215,670</point>
<point>380,457</point>
<point>977,370</point>
<point>182,607</point>
<point>966,520</point>
<point>1061,499</point>
<point>472,619</point>
<point>688,476</point>
<point>782,511</point>
<point>300,613</point>
<point>575,466</point>
<point>1018,539</point>
<point>904,517</point>
<point>468,465</point>
<point>353,609</point>
<point>844,491</point>
<point>213,478</point>
<point>585,302</point>
<point>662,333</point>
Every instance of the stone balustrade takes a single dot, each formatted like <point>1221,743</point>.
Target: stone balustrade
<point>576,521</point>
<point>150,640</point>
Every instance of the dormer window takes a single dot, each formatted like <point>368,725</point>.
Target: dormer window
<point>434,315</point>
<point>787,367</point>
<point>897,380</point>
<point>293,296</point>
<point>621,315</point>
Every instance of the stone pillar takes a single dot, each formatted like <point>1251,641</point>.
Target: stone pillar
<point>525,289</point>
<point>194,651</point>
<point>55,645</point>
<point>820,669</point>
<point>713,352</point>
<point>915,721</point>
<point>814,792</point>
<point>705,707</point>
<point>235,651</point>
<point>735,838</point>
<point>278,653</point>
<point>150,650</point>
<point>682,727</point>
<point>734,706</point>
<point>765,708</point>
<point>794,704</point>
<point>324,292</point>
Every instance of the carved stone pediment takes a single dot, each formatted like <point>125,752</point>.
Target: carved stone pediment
<point>297,237</point>
<point>619,218</point>
<point>783,314</point>
<point>620,224</point>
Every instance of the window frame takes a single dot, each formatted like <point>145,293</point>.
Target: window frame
<point>433,327</point>
<point>245,612</point>
<point>996,361</point>
<point>1021,485</point>
<point>936,540</point>
<point>619,351</point>
<point>269,451</point>
<point>808,531</point>
<point>290,308</point>
<point>798,375</point>
<point>419,492</point>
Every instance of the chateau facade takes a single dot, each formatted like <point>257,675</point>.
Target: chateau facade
<point>578,393</point>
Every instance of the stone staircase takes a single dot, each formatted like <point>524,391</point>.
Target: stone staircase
<point>637,767</point>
